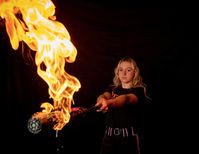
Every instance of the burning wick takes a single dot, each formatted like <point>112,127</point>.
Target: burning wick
<point>39,119</point>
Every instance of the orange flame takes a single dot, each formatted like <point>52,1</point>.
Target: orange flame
<point>39,29</point>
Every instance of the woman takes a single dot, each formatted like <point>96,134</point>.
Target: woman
<point>122,102</point>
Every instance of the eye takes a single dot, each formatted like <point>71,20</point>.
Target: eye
<point>129,69</point>
<point>120,69</point>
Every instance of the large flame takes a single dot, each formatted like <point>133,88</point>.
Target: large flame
<point>34,22</point>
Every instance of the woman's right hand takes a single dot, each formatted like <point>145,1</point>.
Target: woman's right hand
<point>103,105</point>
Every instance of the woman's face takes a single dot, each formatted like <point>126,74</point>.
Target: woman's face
<point>126,72</point>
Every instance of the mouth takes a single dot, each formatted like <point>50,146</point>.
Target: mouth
<point>123,78</point>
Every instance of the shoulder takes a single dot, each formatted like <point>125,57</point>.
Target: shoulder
<point>110,88</point>
<point>137,91</point>
<point>140,93</point>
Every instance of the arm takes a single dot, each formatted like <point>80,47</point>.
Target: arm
<point>105,95</point>
<point>106,101</point>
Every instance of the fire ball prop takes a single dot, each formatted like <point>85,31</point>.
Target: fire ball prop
<point>36,122</point>
<point>34,23</point>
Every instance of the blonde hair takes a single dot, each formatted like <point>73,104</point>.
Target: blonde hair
<point>136,80</point>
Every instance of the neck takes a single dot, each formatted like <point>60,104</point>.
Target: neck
<point>126,85</point>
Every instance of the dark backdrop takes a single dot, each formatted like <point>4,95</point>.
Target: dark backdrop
<point>162,39</point>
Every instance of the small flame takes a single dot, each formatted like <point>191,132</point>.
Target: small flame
<point>39,29</point>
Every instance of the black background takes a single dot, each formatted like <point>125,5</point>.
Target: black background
<point>161,38</point>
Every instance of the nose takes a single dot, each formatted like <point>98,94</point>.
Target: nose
<point>124,72</point>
